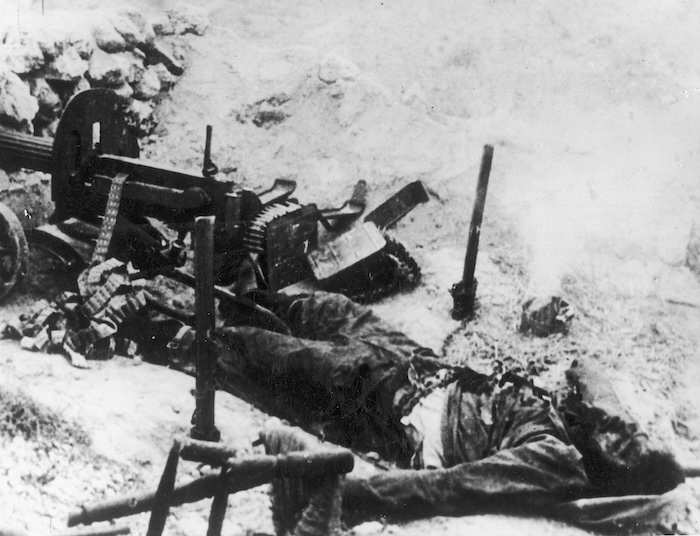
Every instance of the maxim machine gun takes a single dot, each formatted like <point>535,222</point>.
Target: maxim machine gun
<point>102,191</point>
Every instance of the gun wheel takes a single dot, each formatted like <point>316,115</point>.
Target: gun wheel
<point>13,251</point>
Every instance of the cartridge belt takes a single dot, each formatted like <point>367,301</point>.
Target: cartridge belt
<point>110,218</point>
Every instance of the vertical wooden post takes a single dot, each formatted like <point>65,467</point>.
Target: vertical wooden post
<point>203,418</point>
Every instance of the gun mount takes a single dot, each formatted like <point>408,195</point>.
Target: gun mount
<point>98,181</point>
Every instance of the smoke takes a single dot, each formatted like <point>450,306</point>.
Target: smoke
<point>611,195</point>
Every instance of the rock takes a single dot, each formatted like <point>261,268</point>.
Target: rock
<point>135,59</point>
<point>124,90</point>
<point>21,53</point>
<point>50,107</point>
<point>162,25</point>
<point>148,34</point>
<point>48,99</point>
<point>140,117</point>
<point>113,70</point>
<point>57,34</point>
<point>147,85</point>
<point>335,67</point>
<point>134,29</point>
<point>69,65</point>
<point>108,38</point>
<point>187,18</point>
<point>167,79</point>
<point>156,53</point>
<point>17,105</point>
<point>692,258</point>
<point>127,30</point>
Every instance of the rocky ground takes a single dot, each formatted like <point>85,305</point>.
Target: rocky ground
<point>592,110</point>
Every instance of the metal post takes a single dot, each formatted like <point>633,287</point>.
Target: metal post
<point>203,418</point>
<point>209,169</point>
<point>464,292</point>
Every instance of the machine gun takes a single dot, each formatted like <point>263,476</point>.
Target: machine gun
<point>98,181</point>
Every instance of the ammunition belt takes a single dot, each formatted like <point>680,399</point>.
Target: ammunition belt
<point>89,281</point>
<point>255,237</point>
<point>122,307</point>
<point>99,271</point>
<point>104,294</point>
<point>86,325</point>
<point>64,326</point>
<point>110,219</point>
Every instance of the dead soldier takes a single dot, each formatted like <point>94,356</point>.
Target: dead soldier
<point>466,446</point>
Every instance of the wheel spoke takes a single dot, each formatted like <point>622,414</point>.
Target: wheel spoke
<point>13,250</point>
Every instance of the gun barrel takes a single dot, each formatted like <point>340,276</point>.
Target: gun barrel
<point>25,151</point>
<point>477,216</point>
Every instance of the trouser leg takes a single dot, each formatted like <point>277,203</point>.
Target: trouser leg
<point>335,341</point>
<point>348,388</point>
<point>342,363</point>
<point>528,478</point>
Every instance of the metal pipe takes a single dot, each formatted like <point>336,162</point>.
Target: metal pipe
<point>464,292</point>
<point>25,151</point>
<point>203,419</point>
<point>209,169</point>
<point>477,216</point>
